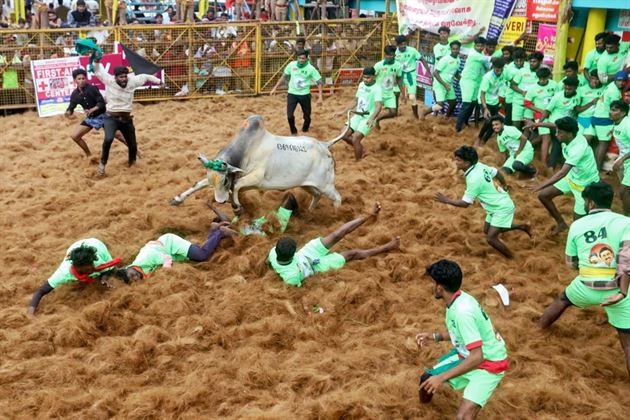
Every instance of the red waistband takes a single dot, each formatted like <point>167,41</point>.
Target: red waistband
<point>85,278</point>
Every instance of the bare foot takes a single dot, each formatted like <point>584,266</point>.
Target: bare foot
<point>560,227</point>
<point>527,229</point>
<point>100,171</point>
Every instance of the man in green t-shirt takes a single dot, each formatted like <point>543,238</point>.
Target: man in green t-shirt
<point>294,266</point>
<point>264,225</point>
<point>621,133</point>
<point>442,48</point>
<point>571,70</point>
<point>408,58</point>
<point>85,261</point>
<point>578,171</point>
<point>475,67</point>
<point>601,119</point>
<point>589,95</point>
<point>170,248</point>
<point>517,148</point>
<point>594,247</point>
<point>489,97</point>
<point>536,101</point>
<point>300,74</point>
<point>481,185</point>
<point>366,106</point>
<point>510,70</point>
<point>524,80</point>
<point>611,61</point>
<point>445,72</point>
<point>590,63</point>
<point>478,360</point>
<point>389,74</point>
<point>562,104</point>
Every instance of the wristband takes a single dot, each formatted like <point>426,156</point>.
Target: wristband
<point>625,295</point>
<point>437,337</point>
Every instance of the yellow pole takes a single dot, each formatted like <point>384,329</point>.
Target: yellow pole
<point>203,7</point>
<point>595,24</point>
<point>562,37</point>
<point>19,10</point>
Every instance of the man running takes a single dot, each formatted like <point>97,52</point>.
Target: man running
<point>475,67</point>
<point>512,143</point>
<point>478,360</point>
<point>408,58</point>
<point>300,74</point>
<point>602,124</point>
<point>119,90</point>
<point>169,248</point>
<point>578,171</point>
<point>494,199</point>
<point>445,72</point>
<point>93,104</point>
<point>389,74</point>
<point>367,104</point>
<point>85,261</point>
<point>593,247</point>
<point>621,133</point>
<point>315,257</point>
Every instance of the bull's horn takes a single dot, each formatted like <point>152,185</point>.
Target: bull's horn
<point>332,142</point>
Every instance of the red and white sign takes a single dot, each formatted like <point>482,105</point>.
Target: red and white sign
<point>543,10</point>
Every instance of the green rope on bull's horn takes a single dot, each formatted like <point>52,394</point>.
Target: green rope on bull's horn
<point>216,165</point>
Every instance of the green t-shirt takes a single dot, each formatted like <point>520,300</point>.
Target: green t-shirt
<point>581,81</point>
<point>282,215</point>
<point>386,76</point>
<point>602,107</point>
<point>63,275</point>
<point>408,59</point>
<point>497,53</point>
<point>587,94</point>
<point>621,133</point>
<point>509,72</point>
<point>592,58</point>
<point>491,86</point>
<point>596,239</point>
<point>510,139</point>
<point>561,106</point>
<point>441,50</point>
<point>367,97</point>
<point>293,273</point>
<point>612,63</point>
<point>469,327</point>
<point>525,79</point>
<point>161,253</point>
<point>448,67</point>
<point>540,96</point>
<point>480,185</point>
<point>300,78</point>
<point>476,65</point>
<point>580,156</point>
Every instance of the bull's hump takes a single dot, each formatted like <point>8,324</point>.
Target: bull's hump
<point>252,124</point>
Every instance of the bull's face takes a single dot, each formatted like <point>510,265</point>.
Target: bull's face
<point>220,181</point>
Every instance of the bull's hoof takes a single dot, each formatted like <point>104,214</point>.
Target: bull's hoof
<point>175,202</point>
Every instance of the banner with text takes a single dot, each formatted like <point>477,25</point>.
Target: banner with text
<point>514,28</point>
<point>543,10</point>
<point>546,42</point>
<point>53,84</point>
<point>424,76</point>
<point>463,17</point>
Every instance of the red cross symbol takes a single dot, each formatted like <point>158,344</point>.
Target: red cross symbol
<point>42,86</point>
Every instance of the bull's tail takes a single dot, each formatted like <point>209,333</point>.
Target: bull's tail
<point>332,142</point>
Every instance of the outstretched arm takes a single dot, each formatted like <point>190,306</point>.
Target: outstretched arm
<point>443,198</point>
<point>281,80</point>
<point>37,296</point>
<point>555,178</point>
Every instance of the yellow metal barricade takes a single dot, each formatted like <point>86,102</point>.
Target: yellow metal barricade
<point>199,60</point>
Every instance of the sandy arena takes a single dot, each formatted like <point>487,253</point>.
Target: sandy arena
<point>226,338</point>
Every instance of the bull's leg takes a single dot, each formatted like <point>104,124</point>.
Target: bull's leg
<point>315,196</point>
<point>199,185</point>
<point>250,180</point>
<point>333,195</point>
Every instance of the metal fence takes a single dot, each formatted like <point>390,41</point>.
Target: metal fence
<point>199,60</point>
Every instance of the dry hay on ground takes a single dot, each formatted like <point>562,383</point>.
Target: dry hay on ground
<point>226,338</point>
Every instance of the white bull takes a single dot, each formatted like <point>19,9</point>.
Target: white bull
<point>257,159</point>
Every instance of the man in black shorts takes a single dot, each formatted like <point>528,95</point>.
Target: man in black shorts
<point>93,104</point>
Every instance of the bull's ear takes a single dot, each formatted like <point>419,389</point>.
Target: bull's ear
<point>233,169</point>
